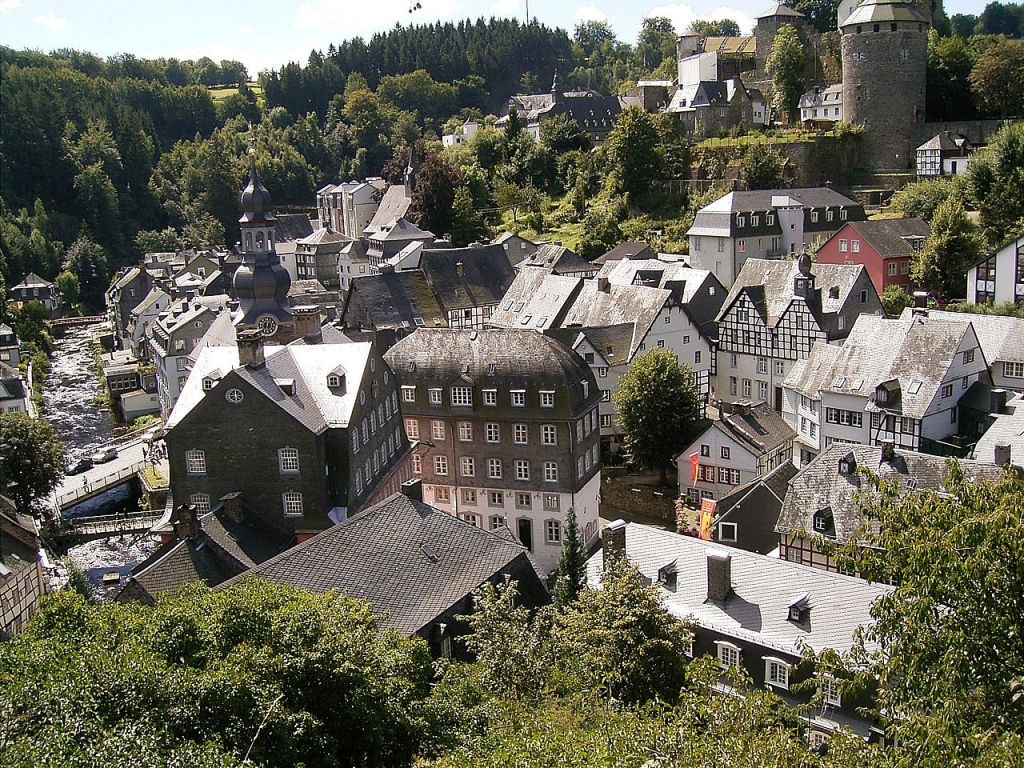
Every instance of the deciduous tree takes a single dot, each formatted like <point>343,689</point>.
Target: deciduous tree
<point>997,79</point>
<point>633,151</point>
<point>659,408</point>
<point>761,168</point>
<point>952,245</point>
<point>785,65</point>
<point>33,458</point>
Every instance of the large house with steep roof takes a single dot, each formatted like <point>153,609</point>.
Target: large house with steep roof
<point>774,313</point>
<point>886,248</point>
<point>508,427</point>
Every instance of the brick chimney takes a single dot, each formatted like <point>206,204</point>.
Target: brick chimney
<point>719,574</point>
<point>233,506</point>
<point>250,348</point>
<point>186,522</point>
<point>613,542</point>
<point>1002,454</point>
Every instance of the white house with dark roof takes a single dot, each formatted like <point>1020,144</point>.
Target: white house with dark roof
<point>824,501</point>
<point>945,154</point>
<point>744,441</point>
<point>754,612</point>
<point>999,277</point>
<point>775,312</point>
<point>892,381</point>
<point>822,105</point>
<point>765,224</point>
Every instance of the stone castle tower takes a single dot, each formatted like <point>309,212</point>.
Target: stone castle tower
<point>885,51</point>
<point>261,283</point>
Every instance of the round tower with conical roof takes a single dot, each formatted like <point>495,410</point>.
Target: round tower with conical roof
<point>261,283</point>
<point>885,56</point>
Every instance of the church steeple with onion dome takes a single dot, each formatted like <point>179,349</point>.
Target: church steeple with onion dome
<point>261,283</point>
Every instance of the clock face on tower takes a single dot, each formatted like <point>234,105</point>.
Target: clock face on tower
<point>267,325</point>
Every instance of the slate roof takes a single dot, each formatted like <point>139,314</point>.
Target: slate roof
<point>611,342</point>
<point>394,300</point>
<point>393,205</point>
<point>486,275</point>
<point>767,489</point>
<point>559,260</point>
<point>400,229</point>
<point>1001,338</point>
<point>618,304</point>
<point>312,403</point>
<point>626,250</point>
<point>326,240</point>
<point>940,141</point>
<point>779,10</point>
<point>32,280</point>
<point>292,226</point>
<point>872,11</point>
<point>887,235</point>
<point>762,430</point>
<point>1006,429</point>
<point>411,561</point>
<point>538,294</point>
<point>820,486</point>
<point>715,219</point>
<point>757,610</point>
<point>769,283</point>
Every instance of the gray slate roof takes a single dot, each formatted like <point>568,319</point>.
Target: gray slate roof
<point>626,250</point>
<point>887,235</point>
<point>393,300</point>
<point>539,295</point>
<point>393,205</point>
<point>820,486</point>
<point>410,560</point>
<point>763,587</point>
<point>872,11</point>
<point>486,275</point>
<point>612,342</point>
<point>1001,338</point>
<point>559,260</point>
<point>762,430</point>
<point>292,226</point>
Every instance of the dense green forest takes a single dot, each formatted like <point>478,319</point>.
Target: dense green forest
<point>102,160</point>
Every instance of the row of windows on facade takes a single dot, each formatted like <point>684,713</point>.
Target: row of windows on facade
<point>741,247</point>
<point>378,419</point>
<point>552,528</point>
<point>463,396</point>
<point>496,498</point>
<point>291,503</point>
<point>762,388</point>
<point>726,476</point>
<point>585,425</point>
<point>378,463</point>
<point>521,468</point>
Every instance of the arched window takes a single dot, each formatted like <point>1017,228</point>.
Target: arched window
<point>248,241</point>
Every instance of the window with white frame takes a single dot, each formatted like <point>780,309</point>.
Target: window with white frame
<point>467,466</point>
<point>548,434</point>
<point>442,494</point>
<point>842,245</point>
<point>606,419</point>
<point>762,390</point>
<point>547,399</point>
<point>494,522</point>
<point>462,396</point>
<point>434,395</point>
<point>552,531</point>
<point>522,469</point>
<point>417,464</point>
<point>292,503</point>
<point>728,654</point>
<point>688,648</point>
<point>968,356</point>
<point>465,431</point>
<point>288,460</point>
<point>195,462</point>
<point>733,382</point>
<point>520,434</point>
<point>518,398</point>
<point>780,367</point>
<point>494,468</point>
<point>496,498</point>
<point>436,429</point>
<point>727,531</point>
<point>830,691</point>
<point>551,501</point>
<point>440,465</point>
<point>746,387</point>
<point>412,429</point>
<point>490,396</point>
<point>776,672</point>
<point>728,476</point>
<point>469,495</point>
<point>762,365</point>
<point>523,500</point>
<point>855,246</point>
<point>947,390</point>
<point>408,394</point>
<point>602,371</point>
<point>492,432</point>
<point>1013,370</point>
<point>891,267</point>
<point>551,471</point>
<point>725,452</point>
<point>201,501</point>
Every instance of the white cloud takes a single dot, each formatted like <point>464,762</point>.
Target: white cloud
<point>590,13</point>
<point>682,15</point>
<point>351,19</point>
<point>52,21</point>
<point>9,5</point>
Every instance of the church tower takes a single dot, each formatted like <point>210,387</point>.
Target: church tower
<point>885,57</point>
<point>261,283</point>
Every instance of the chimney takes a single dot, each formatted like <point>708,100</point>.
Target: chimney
<point>743,407</point>
<point>997,401</point>
<point>920,299</point>
<point>233,506</point>
<point>186,522</point>
<point>719,574</point>
<point>602,284</point>
<point>460,270</point>
<point>888,451</point>
<point>1002,456</point>
<point>613,542</point>
<point>725,408</point>
<point>413,489</point>
<point>307,323</point>
<point>250,348</point>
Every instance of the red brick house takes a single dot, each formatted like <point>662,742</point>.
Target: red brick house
<point>885,247</point>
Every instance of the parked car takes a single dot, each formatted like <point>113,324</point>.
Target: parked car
<point>153,434</point>
<point>104,455</point>
<point>79,466</point>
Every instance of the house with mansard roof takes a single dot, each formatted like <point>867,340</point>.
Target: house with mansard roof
<point>892,381</point>
<point>825,501</point>
<point>306,433</point>
<point>765,224</point>
<point>743,441</point>
<point>776,310</point>
<point>758,613</point>
<point>417,565</point>
<point>508,424</point>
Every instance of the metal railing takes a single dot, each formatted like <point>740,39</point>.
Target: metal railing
<point>98,525</point>
<point>87,490</point>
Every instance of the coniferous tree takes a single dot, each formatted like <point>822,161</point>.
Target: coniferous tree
<point>572,563</point>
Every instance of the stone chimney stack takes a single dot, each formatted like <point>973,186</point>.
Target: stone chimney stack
<point>413,489</point>
<point>719,574</point>
<point>307,323</point>
<point>233,506</point>
<point>613,542</point>
<point>603,284</point>
<point>186,522</point>
<point>888,451</point>
<point>460,269</point>
<point>250,348</point>
<point>1002,452</point>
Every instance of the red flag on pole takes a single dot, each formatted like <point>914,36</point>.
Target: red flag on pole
<point>695,464</point>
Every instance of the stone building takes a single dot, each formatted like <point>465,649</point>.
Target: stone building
<point>508,427</point>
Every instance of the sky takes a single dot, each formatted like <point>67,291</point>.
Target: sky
<point>267,35</point>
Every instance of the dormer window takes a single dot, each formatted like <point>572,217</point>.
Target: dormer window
<point>799,607</point>
<point>334,381</point>
<point>847,464</point>
<point>824,524</point>
<point>881,395</point>
<point>667,575</point>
